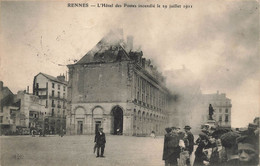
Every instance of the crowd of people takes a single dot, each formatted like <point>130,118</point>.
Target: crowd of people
<point>214,147</point>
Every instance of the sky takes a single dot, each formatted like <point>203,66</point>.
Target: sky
<point>218,41</point>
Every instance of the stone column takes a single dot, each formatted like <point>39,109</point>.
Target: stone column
<point>127,123</point>
<point>88,123</point>
<point>107,124</point>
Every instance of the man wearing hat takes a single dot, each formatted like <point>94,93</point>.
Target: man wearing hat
<point>100,140</point>
<point>171,151</point>
<point>190,138</point>
<point>228,141</point>
<point>248,150</point>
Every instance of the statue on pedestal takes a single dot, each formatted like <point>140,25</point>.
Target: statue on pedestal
<point>211,112</point>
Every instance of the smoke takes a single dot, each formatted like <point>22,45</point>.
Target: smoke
<point>185,89</point>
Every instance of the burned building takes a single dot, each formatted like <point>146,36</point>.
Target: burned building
<point>115,87</point>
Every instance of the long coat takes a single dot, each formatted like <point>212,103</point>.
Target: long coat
<point>200,156</point>
<point>100,138</point>
<point>190,138</point>
<point>171,149</point>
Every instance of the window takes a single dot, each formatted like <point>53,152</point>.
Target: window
<point>226,118</point>
<point>52,112</point>
<point>52,93</point>
<point>64,95</point>
<point>64,88</point>
<point>53,85</point>
<point>58,94</point>
<point>58,87</point>
<point>52,103</point>
<point>226,110</point>
<point>220,118</point>
<point>220,110</point>
<point>46,103</point>
<point>1,119</point>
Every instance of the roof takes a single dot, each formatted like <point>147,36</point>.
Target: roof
<point>215,96</point>
<point>109,49</point>
<point>52,78</point>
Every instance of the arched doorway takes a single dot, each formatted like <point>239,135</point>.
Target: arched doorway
<point>79,120</point>
<point>97,118</point>
<point>117,123</point>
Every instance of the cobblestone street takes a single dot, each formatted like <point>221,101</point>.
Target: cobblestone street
<point>78,150</point>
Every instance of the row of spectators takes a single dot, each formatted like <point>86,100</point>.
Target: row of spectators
<point>217,147</point>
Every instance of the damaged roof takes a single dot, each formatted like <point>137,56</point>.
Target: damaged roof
<point>109,49</point>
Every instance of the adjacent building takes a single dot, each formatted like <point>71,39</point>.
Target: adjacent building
<point>7,110</point>
<point>115,87</point>
<point>52,93</point>
<point>222,108</point>
<point>31,111</point>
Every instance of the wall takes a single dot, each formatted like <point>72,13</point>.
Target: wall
<point>98,82</point>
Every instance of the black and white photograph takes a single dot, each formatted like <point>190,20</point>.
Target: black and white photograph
<point>129,83</point>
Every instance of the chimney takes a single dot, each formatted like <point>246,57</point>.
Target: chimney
<point>61,78</point>
<point>130,41</point>
<point>1,85</point>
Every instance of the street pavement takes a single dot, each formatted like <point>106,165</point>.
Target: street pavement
<point>78,150</point>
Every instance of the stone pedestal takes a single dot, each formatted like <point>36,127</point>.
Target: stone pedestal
<point>211,123</point>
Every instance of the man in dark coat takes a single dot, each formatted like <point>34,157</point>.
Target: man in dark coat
<point>190,138</point>
<point>171,149</point>
<point>200,156</point>
<point>165,147</point>
<point>100,140</point>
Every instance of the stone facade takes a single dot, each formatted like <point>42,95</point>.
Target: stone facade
<point>31,110</point>
<point>116,88</point>
<point>52,93</point>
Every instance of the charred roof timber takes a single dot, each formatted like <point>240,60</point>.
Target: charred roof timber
<point>112,48</point>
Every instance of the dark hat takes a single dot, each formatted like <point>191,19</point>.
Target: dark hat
<point>247,139</point>
<point>187,127</point>
<point>252,126</point>
<point>219,132</point>
<point>173,128</point>
<point>203,136</point>
<point>229,139</point>
<point>168,129</point>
